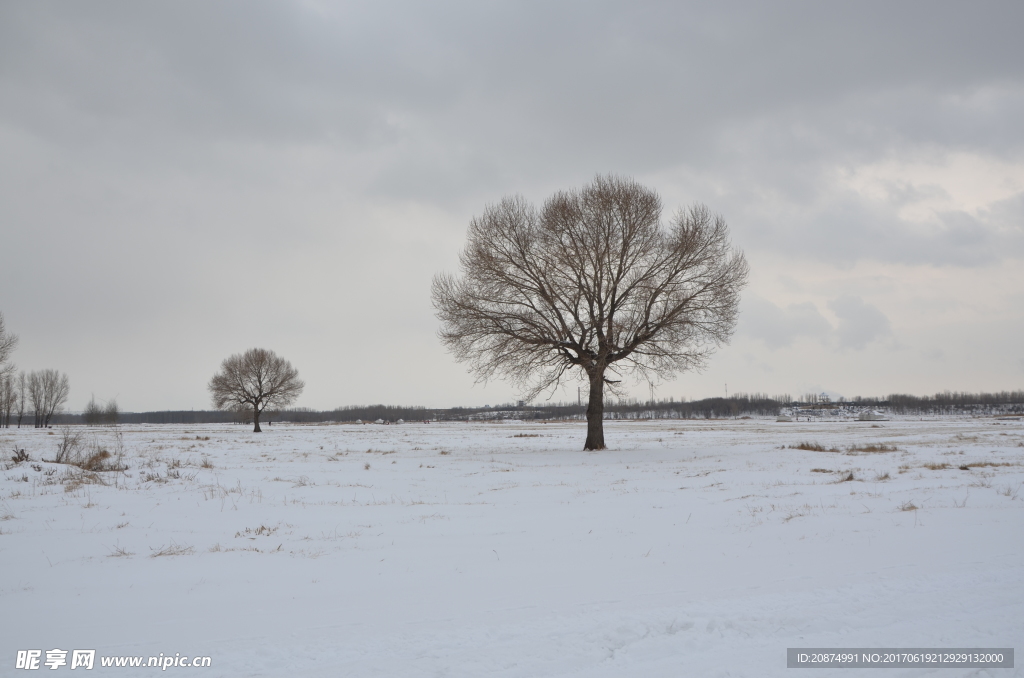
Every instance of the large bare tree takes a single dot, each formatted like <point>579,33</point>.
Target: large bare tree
<point>251,382</point>
<point>592,285</point>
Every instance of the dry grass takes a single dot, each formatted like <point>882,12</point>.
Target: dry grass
<point>172,549</point>
<point>908,506</point>
<point>882,477</point>
<point>872,448</point>
<point>120,552</point>
<point>1010,491</point>
<point>528,435</point>
<point>985,464</point>
<point>73,480</point>
<point>206,463</point>
<point>73,450</point>
<point>97,461</point>
<point>813,447</point>
<point>847,478</point>
<point>252,533</point>
<point>69,446</point>
<point>821,470</point>
<point>935,466</point>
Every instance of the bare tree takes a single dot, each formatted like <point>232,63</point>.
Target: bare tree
<point>8,398</point>
<point>35,396</point>
<point>253,381</point>
<point>111,412</point>
<point>48,391</point>
<point>92,415</point>
<point>95,413</point>
<point>8,342</point>
<point>593,281</point>
<point>21,395</point>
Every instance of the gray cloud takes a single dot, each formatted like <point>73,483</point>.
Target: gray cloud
<point>173,152</point>
<point>860,323</point>
<point>780,327</point>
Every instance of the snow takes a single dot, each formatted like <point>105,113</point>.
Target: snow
<point>700,548</point>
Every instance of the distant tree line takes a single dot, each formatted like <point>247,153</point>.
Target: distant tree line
<point>950,402</point>
<point>708,408</point>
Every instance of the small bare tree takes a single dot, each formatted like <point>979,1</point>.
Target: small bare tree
<point>253,381</point>
<point>593,281</point>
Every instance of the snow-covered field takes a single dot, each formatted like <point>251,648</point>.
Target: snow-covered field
<point>689,548</point>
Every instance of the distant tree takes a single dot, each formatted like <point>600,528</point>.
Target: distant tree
<point>21,396</point>
<point>35,395</point>
<point>92,415</point>
<point>48,391</point>
<point>95,414</point>
<point>253,381</point>
<point>8,342</point>
<point>8,397</point>
<point>593,285</point>
<point>111,412</point>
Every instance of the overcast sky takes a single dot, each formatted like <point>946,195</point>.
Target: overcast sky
<point>180,181</point>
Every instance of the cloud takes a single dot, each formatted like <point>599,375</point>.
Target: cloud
<point>860,323</point>
<point>780,327</point>
<point>174,152</point>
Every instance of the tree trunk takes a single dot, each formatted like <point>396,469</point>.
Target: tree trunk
<point>256,421</point>
<point>595,413</point>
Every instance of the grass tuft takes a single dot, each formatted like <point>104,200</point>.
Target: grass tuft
<point>810,447</point>
<point>172,549</point>
<point>120,552</point>
<point>873,448</point>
